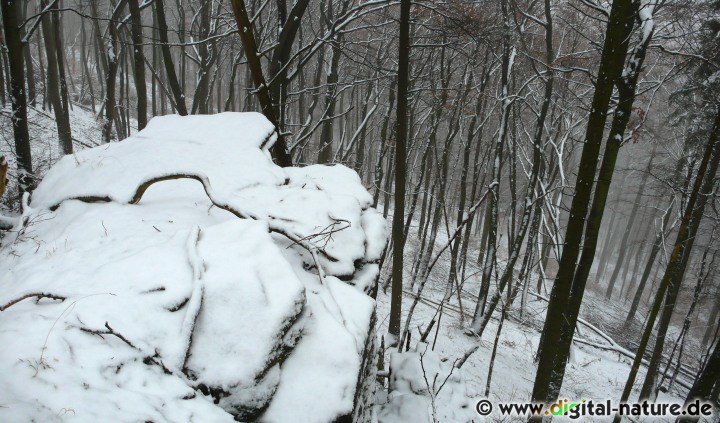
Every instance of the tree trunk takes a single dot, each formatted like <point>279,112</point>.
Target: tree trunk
<point>56,88</point>
<point>111,74</point>
<point>202,90</point>
<point>172,79</point>
<point>401,132</point>
<point>628,230</point>
<point>10,13</point>
<point>279,149</point>
<point>657,245</point>
<point>553,352</point>
<point>289,27</point>
<point>28,63</point>
<point>139,62</point>
<point>490,255</point>
<point>325,148</point>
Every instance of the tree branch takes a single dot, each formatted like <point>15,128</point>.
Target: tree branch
<point>37,295</point>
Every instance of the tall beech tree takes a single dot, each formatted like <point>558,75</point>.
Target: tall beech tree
<point>401,136</point>
<point>568,289</point>
<point>10,12</point>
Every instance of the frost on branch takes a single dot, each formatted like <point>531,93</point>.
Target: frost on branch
<point>179,275</point>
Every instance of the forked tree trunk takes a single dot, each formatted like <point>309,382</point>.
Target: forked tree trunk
<point>556,342</point>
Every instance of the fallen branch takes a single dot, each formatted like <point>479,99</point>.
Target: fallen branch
<point>467,355</point>
<point>196,299</point>
<point>37,295</point>
<point>612,346</point>
<point>109,331</point>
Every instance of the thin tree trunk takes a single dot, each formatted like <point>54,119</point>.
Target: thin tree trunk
<point>401,132</point>
<point>202,90</point>
<point>139,62</point>
<point>279,149</point>
<point>708,166</point>
<point>648,266</point>
<point>325,148</point>
<point>57,96</point>
<point>32,94</point>
<point>490,255</point>
<point>172,78</point>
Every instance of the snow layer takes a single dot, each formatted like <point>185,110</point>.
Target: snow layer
<point>224,147</point>
<point>317,204</point>
<point>424,389</point>
<point>173,309</point>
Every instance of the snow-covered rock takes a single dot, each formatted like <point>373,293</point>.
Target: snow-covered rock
<point>179,275</point>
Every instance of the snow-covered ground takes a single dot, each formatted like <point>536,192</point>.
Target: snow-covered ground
<point>44,143</point>
<point>593,373</point>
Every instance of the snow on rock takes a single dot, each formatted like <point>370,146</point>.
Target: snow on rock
<point>240,297</point>
<point>376,231</point>
<point>252,325</point>
<point>423,388</point>
<point>227,154</point>
<point>224,147</point>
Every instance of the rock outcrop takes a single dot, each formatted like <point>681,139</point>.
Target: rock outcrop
<point>179,275</point>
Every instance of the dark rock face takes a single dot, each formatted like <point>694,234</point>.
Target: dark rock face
<point>366,384</point>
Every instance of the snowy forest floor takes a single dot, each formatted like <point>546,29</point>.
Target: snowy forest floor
<point>45,146</point>
<point>597,370</point>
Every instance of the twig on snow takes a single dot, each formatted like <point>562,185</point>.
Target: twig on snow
<point>37,295</point>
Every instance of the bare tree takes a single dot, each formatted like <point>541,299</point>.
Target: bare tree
<point>401,134</point>
<point>10,11</point>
